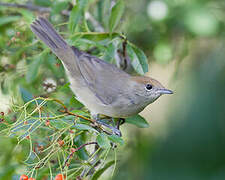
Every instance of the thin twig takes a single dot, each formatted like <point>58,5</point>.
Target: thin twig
<point>125,53</point>
<point>41,9</point>
<point>73,150</point>
<point>30,7</point>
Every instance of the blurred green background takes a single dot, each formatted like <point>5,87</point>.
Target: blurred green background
<point>184,41</point>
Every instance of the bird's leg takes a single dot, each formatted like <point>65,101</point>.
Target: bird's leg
<point>101,121</point>
<point>120,122</point>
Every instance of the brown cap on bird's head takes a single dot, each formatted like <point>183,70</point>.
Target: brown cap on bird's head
<point>147,80</point>
<point>153,82</point>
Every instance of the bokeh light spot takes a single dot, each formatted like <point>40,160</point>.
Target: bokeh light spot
<point>163,53</point>
<point>201,23</point>
<point>157,10</point>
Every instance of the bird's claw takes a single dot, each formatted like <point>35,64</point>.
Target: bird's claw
<point>114,130</point>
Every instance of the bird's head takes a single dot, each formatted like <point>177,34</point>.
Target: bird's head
<point>148,89</point>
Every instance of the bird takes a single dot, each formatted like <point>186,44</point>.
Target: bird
<point>101,86</point>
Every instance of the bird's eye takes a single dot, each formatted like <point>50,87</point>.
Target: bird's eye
<point>148,86</point>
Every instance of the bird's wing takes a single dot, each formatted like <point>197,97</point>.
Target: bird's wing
<point>105,80</point>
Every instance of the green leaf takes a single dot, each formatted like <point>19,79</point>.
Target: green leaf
<point>76,15</point>
<point>45,3</point>
<point>64,88</point>
<point>138,59</point>
<point>83,127</point>
<point>59,6</point>
<point>8,19</point>
<point>137,120</point>
<point>106,12</point>
<point>99,172</point>
<point>116,14</point>
<point>75,103</point>
<point>142,58</point>
<point>50,61</point>
<point>89,42</point>
<point>103,141</point>
<point>3,126</point>
<point>109,53</point>
<point>33,68</point>
<point>27,15</point>
<point>59,123</point>
<point>26,95</point>
<point>78,141</point>
<point>4,87</point>
<point>2,69</point>
<point>80,112</point>
<point>116,139</point>
<point>93,36</point>
<point>84,26</point>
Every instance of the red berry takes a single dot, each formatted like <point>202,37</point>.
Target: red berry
<point>47,122</point>
<point>23,177</point>
<point>31,178</point>
<point>73,150</point>
<point>59,177</point>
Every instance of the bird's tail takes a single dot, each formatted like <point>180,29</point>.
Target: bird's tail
<point>46,33</point>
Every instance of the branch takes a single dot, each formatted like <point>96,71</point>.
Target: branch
<point>94,123</point>
<point>73,150</point>
<point>30,7</point>
<point>41,9</point>
<point>123,60</point>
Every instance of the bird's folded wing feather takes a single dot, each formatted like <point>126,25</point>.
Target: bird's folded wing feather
<point>105,80</point>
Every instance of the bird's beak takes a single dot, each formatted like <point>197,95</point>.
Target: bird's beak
<point>164,91</point>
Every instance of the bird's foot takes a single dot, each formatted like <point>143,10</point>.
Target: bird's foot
<point>114,130</point>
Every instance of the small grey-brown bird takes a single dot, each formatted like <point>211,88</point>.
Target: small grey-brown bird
<point>100,86</point>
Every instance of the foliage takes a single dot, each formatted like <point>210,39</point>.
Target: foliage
<point>46,115</point>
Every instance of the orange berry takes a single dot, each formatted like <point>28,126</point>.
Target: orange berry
<point>40,148</point>
<point>12,66</point>
<point>17,33</point>
<point>57,65</point>
<point>23,177</point>
<point>9,111</point>
<point>60,177</point>
<point>61,142</point>
<point>71,131</point>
